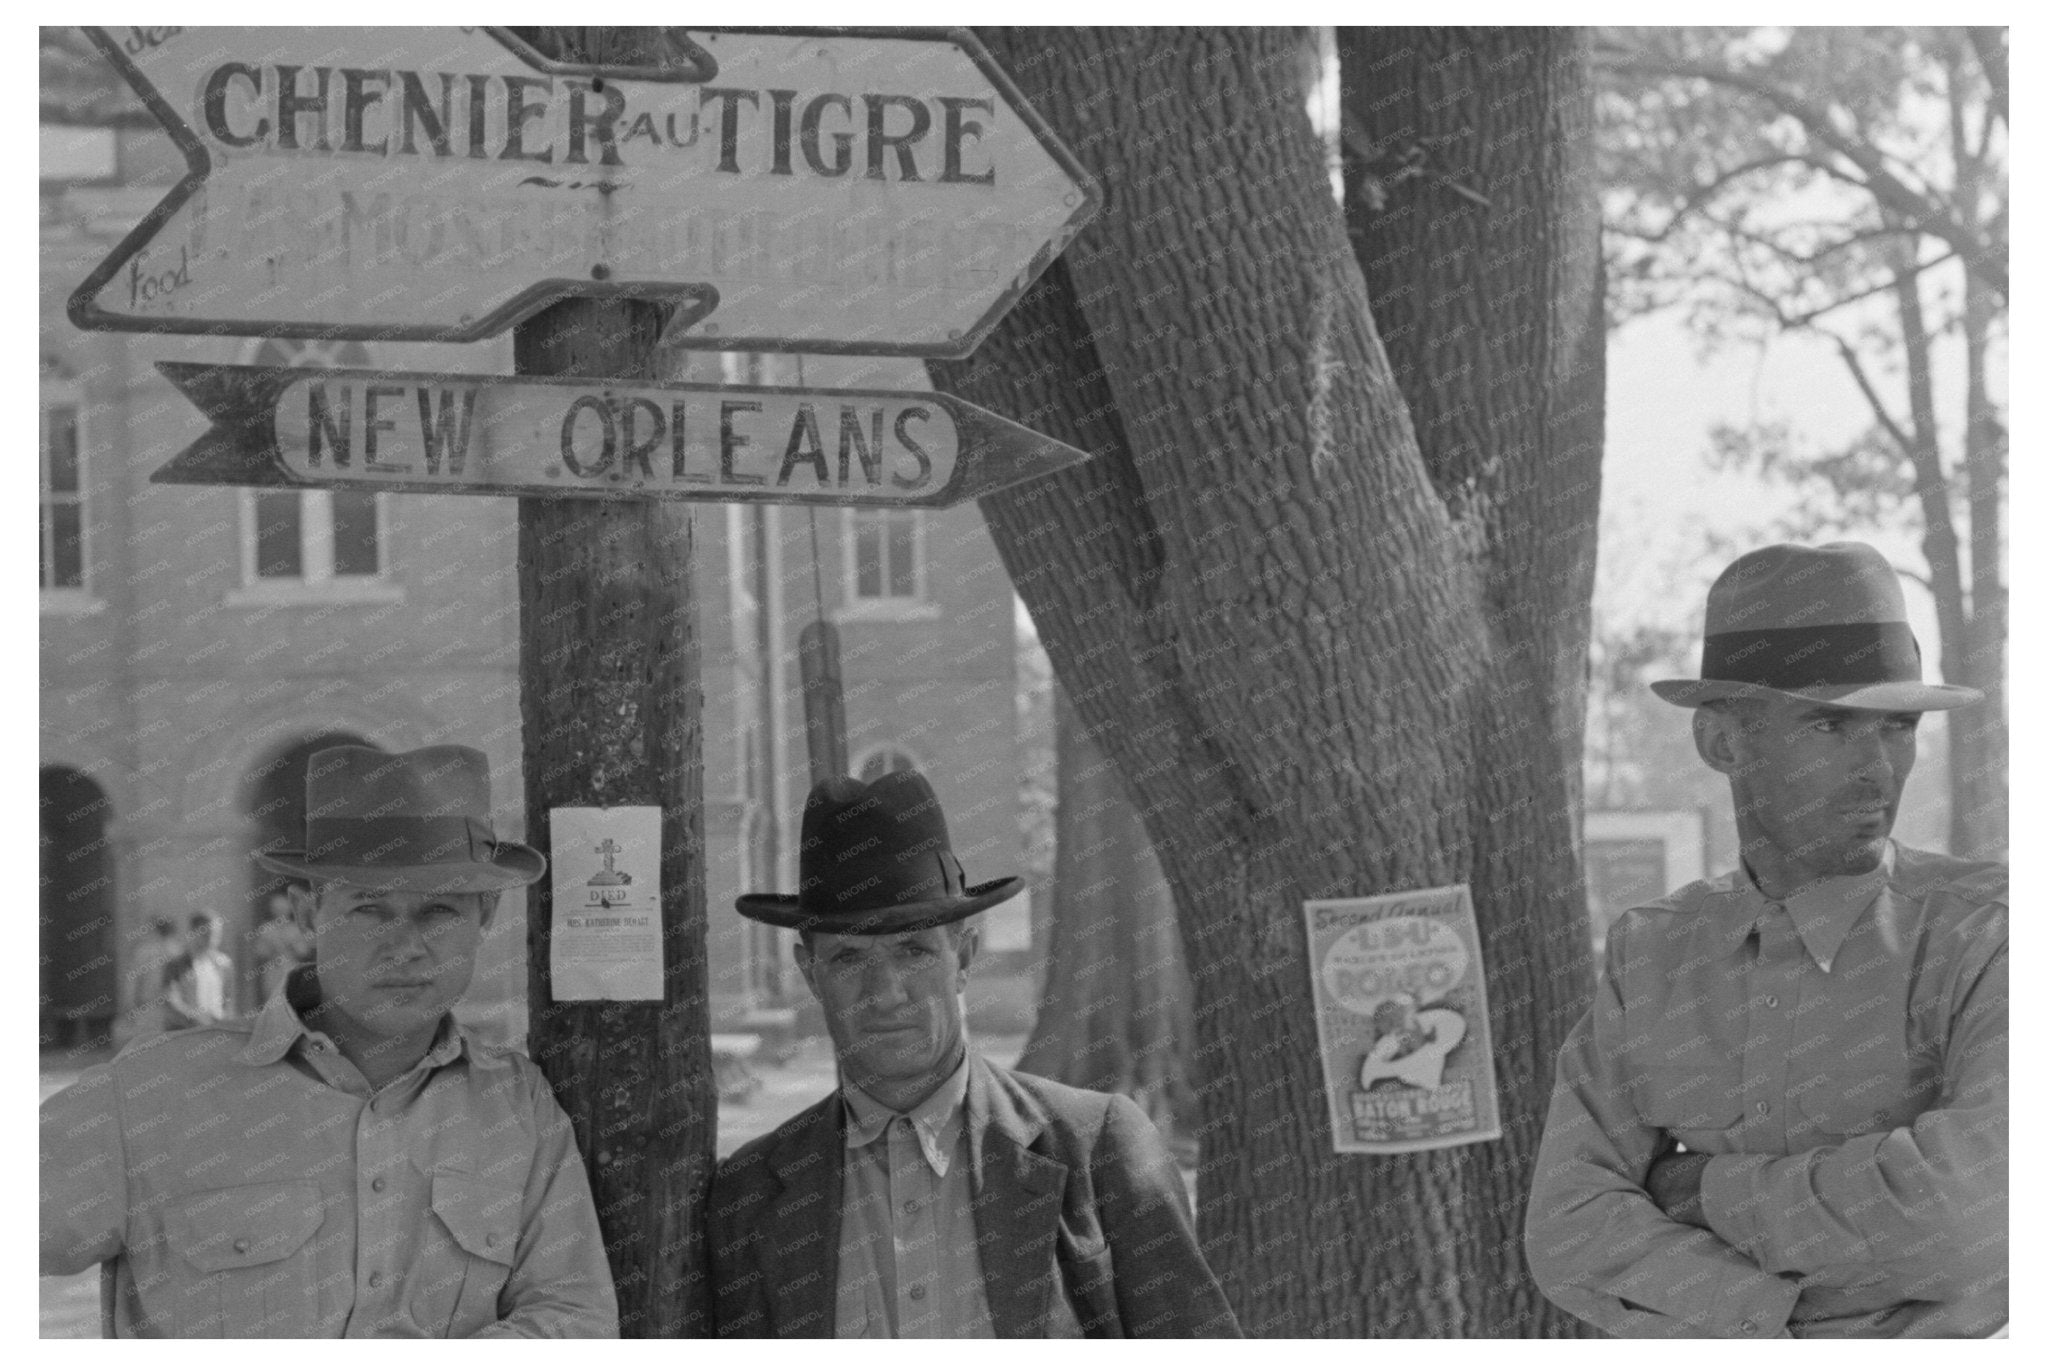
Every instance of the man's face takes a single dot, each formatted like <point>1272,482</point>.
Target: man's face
<point>393,961</point>
<point>892,1002</point>
<point>1820,784</point>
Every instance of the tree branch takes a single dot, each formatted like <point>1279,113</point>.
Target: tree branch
<point>1914,205</point>
<point>1884,417</point>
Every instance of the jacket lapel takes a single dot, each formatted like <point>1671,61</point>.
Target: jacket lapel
<point>1017,1198</point>
<point>805,1217</point>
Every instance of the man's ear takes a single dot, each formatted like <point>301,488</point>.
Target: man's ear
<point>1714,734</point>
<point>970,943</point>
<point>487,905</point>
<point>305,904</point>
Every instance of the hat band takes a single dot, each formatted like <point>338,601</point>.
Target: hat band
<point>1813,656</point>
<point>398,840</point>
<point>878,884</point>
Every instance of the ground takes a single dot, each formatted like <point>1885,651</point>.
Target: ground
<point>70,1305</point>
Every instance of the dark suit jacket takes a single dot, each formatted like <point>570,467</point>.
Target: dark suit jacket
<point>1074,1192</point>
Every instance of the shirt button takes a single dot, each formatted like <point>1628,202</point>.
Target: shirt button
<point>1763,1106</point>
<point>491,1239</point>
<point>910,1206</point>
<point>1771,1001</point>
<point>917,1291</point>
<point>241,1245</point>
<point>376,1278</point>
<point>378,1184</point>
<point>1748,1327</point>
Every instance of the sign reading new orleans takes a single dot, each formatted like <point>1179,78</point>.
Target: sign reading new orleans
<point>849,191</point>
<point>539,436</point>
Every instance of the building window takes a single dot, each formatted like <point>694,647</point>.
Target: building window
<point>885,557</point>
<point>323,541</point>
<point>62,467</point>
<point>885,759</point>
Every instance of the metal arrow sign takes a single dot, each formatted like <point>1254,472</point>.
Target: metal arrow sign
<point>537,436</point>
<point>867,192</point>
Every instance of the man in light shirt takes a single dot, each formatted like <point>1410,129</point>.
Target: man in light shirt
<point>348,1162</point>
<point>1785,1112</point>
<point>936,1194</point>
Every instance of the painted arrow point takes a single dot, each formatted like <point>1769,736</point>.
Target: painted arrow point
<point>852,191</point>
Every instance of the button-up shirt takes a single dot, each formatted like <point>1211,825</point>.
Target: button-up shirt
<point>244,1179</point>
<point>908,1263</point>
<point>1841,1057</point>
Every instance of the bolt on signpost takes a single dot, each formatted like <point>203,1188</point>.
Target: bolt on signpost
<point>624,194</point>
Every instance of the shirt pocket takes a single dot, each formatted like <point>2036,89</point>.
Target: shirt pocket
<point>239,1265</point>
<point>1848,1103</point>
<point>1696,1107</point>
<point>482,1220</point>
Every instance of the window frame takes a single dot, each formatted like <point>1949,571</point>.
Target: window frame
<point>57,389</point>
<point>317,582</point>
<point>853,605</point>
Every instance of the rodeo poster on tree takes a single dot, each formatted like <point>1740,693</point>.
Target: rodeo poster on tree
<point>1400,996</point>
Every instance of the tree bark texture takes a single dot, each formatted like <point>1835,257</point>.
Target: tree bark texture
<point>610,701</point>
<point>1328,659</point>
<point>1117,1011</point>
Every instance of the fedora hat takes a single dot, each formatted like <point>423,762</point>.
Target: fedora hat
<point>876,859</point>
<point>414,821</point>
<point>1823,623</point>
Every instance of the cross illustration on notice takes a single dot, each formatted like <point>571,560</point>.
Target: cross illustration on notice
<point>611,876</point>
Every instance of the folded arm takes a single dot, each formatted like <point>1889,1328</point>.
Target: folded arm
<point>1597,1243</point>
<point>1924,1204</point>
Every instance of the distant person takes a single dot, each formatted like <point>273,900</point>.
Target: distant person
<point>282,944</point>
<point>142,1006</point>
<point>198,981</point>
<point>1785,1112</point>
<point>349,1161</point>
<point>936,1194</point>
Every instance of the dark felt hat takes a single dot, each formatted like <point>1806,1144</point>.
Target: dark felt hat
<point>414,821</point>
<point>1823,623</point>
<point>876,859</point>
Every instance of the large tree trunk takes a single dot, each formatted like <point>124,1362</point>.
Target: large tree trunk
<point>1117,1010</point>
<point>1327,661</point>
<point>610,702</point>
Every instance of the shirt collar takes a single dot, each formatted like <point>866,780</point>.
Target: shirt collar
<point>279,1026</point>
<point>1822,913</point>
<point>936,1121</point>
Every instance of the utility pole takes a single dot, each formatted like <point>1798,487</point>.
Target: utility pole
<point>611,703</point>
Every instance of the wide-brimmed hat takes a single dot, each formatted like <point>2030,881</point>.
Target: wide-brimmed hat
<point>1823,623</point>
<point>876,859</point>
<point>415,821</point>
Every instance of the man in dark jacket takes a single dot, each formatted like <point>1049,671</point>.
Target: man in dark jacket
<point>936,1194</point>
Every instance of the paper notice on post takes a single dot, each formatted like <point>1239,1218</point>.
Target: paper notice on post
<point>1400,992</point>
<point>606,868</point>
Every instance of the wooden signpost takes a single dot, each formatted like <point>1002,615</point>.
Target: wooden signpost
<point>874,192</point>
<point>870,192</point>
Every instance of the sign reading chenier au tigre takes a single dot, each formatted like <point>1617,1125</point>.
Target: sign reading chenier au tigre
<point>882,192</point>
